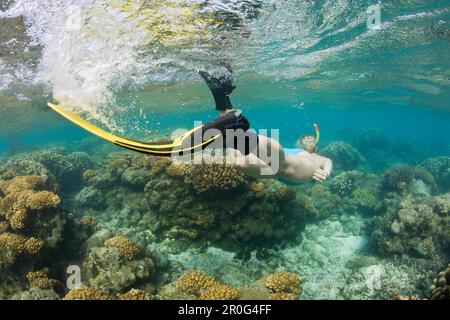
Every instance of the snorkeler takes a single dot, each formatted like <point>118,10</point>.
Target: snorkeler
<point>293,165</point>
<point>255,155</point>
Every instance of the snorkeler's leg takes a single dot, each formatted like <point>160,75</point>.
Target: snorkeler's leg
<point>221,87</point>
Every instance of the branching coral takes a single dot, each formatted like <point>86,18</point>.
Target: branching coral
<point>194,282</point>
<point>118,166</point>
<point>14,246</point>
<point>343,184</point>
<point>204,287</point>
<point>40,279</point>
<point>21,197</point>
<point>136,294</point>
<point>125,246</point>
<point>86,293</point>
<point>283,193</point>
<point>213,177</point>
<point>283,285</point>
<point>440,289</point>
<point>159,164</point>
<point>258,188</point>
<point>220,292</point>
<point>176,170</point>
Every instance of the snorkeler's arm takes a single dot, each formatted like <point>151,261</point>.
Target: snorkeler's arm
<point>326,167</point>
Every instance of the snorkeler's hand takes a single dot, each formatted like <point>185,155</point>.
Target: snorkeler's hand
<point>321,175</point>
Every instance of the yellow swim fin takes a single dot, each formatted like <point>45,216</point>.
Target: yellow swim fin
<point>180,146</point>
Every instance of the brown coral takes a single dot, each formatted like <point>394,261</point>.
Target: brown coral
<point>258,188</point>
<point>20,244</point>
<point>21,196</point>
<point>284,193</point>
<point>213,177</point>
<point>86,293</point>
<point>126,247</point>
<point>159,164</point>
<point>283,284</point>
<point>4,226</point>
<point>440,289</point>
<point>43,199</point>
<point>194,282</point>
<point>40,279</point>
<point>118,166</point>
<point>89,221</point>
<point>220,292</point>
<point>175,170</point>
<point>136,294</point>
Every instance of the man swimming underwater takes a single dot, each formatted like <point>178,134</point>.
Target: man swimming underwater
<point>255,154</point>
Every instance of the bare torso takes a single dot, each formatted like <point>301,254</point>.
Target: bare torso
<point>270,161</point>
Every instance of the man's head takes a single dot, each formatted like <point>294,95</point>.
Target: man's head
<point>308,143</point>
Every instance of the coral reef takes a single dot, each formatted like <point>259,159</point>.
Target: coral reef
<point>206,177</point>
<point>195,285</point>
<point>126,247</point>
<point>86,293</point>
<point>283,286</point>
<point>40,280</point>
<point>219,292</point>
<point>116,265</point>
<point>343,184</point>
<point>418,226</point>
<point>440,289</point>
<point>398,178</point>
<point>135,294</point>
<point>440,169</point>
<point>31,218</point>
<point>344,156</point>
<point>36,293</point>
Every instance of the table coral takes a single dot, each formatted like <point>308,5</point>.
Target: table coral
<point>125,246</point>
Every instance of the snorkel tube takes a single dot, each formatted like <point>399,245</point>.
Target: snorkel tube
<point>316,128</point>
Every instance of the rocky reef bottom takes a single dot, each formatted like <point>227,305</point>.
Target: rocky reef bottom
<point>132,227</point>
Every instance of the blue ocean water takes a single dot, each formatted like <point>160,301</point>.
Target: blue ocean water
<point>131,67</point>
